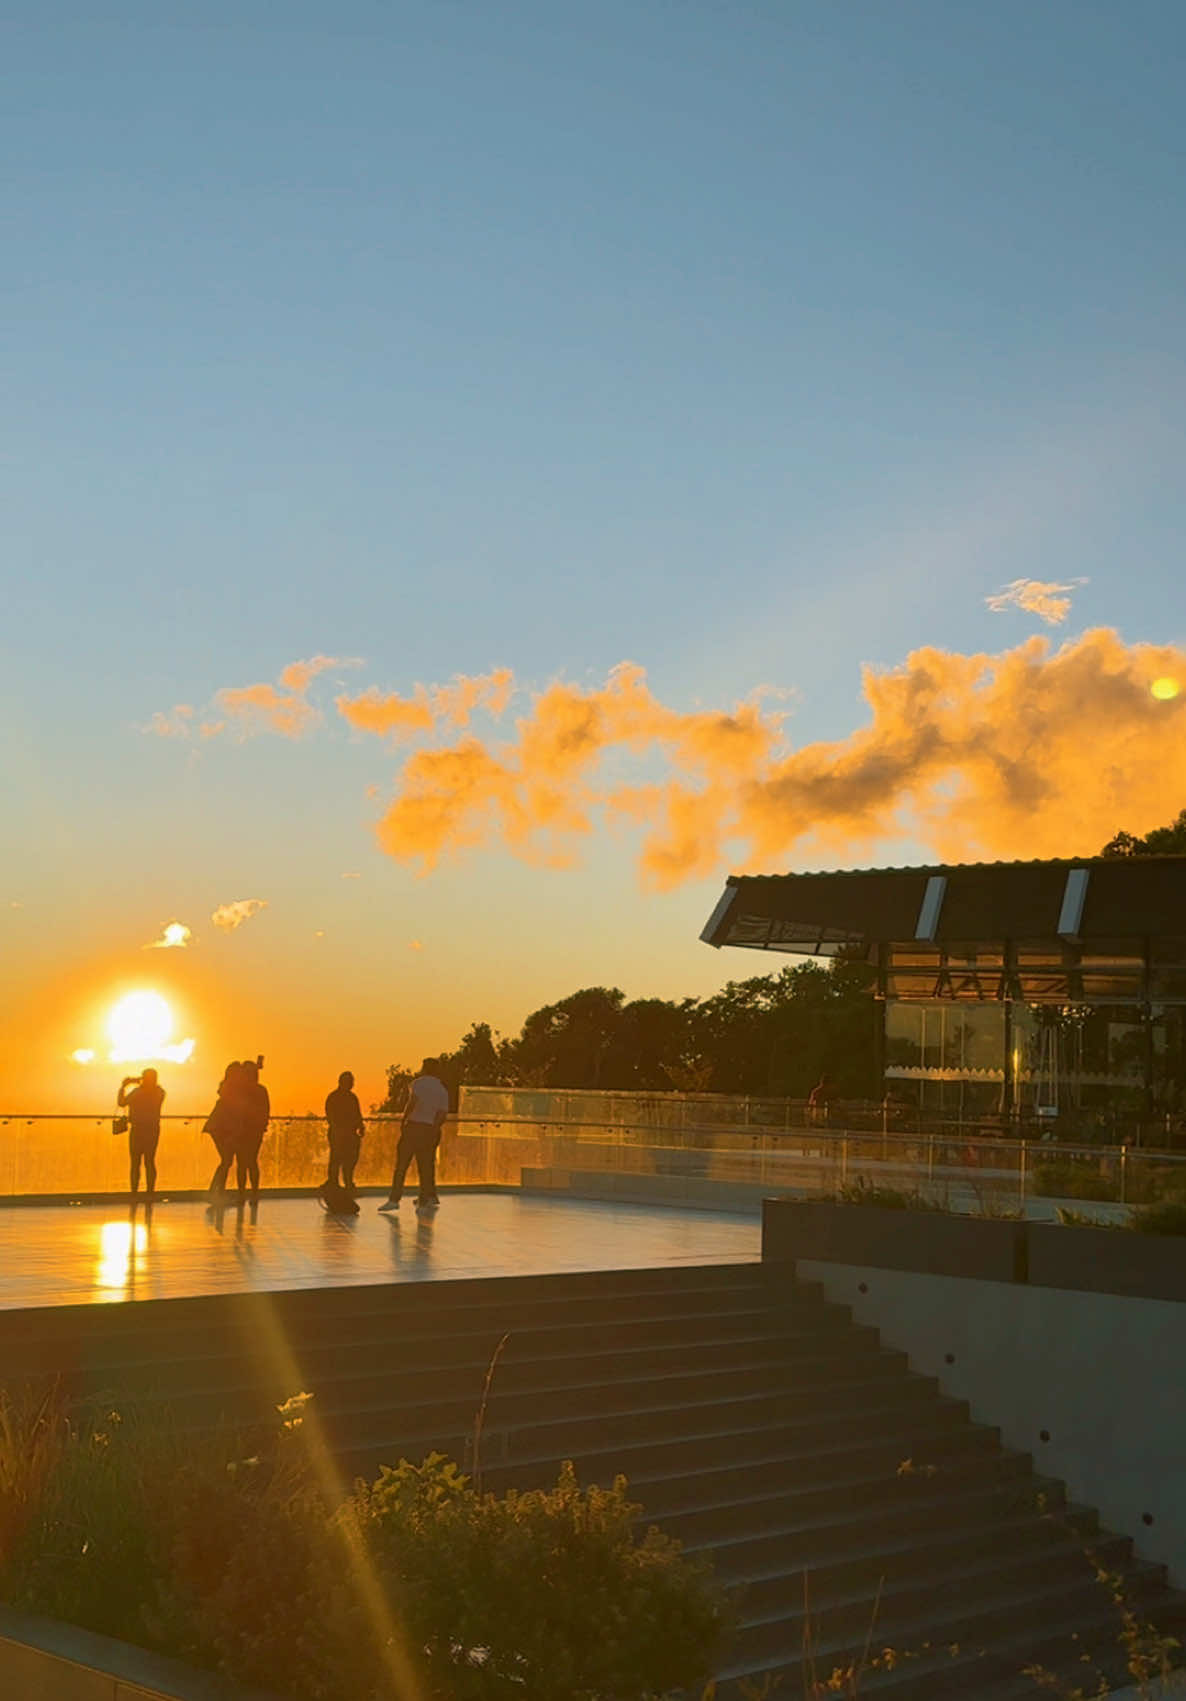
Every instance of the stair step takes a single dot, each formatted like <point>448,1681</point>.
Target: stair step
<point>829,1540</point>
<point>992,1615</point>
<point>773,1496</point>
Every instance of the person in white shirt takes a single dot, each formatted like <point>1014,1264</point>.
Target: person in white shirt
<point>420,1135</point>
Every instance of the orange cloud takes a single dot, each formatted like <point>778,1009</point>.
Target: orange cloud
<point>251,709</point>
<point>228,917</point>
<point>1050,602</point>
<point>262,708</point>
<point>1030,752</point>
<point>392,715</point>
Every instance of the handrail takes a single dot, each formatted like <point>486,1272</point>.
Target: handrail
<point>664,1137</point>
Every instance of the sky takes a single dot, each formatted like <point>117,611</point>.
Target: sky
<point>756,429</point>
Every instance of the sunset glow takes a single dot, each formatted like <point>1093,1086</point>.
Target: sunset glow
<point>1165,688</point>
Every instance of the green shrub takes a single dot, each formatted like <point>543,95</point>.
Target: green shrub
<point>1083,1219</point>
<point>221,1549</point>
<point>549,1593</point>
<point>862,1192</point>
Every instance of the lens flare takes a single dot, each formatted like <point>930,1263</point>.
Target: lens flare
<point>84,1054</point>
<point>1165,688</point>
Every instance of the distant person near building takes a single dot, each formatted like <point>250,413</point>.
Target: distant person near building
<point>255,1115</point>
<point>820,1099</point>
<point>346,1129</point>
<point>420,1135</point>
<point>143,1105</point>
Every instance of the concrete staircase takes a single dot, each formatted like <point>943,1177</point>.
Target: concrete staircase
<point>844,1500</point>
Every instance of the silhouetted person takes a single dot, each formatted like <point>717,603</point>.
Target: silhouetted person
<point>225,1123</point>
<point>256,1112</point>
<point>420,1135</point>
<point>346,1129</point>
<point>143,1105</point>
<point>819,1101</point>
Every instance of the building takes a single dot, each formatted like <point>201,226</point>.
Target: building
<point>1009,989</point>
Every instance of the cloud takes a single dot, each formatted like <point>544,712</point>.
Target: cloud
<point>299,675</point>
<point>1030,752</point>
<point>391,715</point>
<point>230,916</point>
<point>176,722</point>
<point>281,708</point>
<point>1050,601</point>
<point>175,936</point>
<point>415,945</point>
<point>351,875</point>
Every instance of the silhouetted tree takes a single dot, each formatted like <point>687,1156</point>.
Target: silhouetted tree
<point>773,1034</point>
<point>1161,841</point>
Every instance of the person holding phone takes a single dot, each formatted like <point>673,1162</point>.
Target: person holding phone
<point>143,1105</point>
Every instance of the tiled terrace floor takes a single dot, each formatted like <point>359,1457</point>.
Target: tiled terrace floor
<point>73,1254</point>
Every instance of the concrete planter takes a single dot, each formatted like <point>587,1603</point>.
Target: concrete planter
<point>928,1242</point>
<point>42,1660</point>
<point>1100,1260</point>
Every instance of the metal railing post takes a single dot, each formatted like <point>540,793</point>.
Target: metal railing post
<point>1022,1174</point>
<point>1124,1175</point>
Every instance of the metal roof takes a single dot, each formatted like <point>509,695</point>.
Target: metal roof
<point>1067,899</point>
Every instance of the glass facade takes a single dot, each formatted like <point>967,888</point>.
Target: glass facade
<point>977,1060</point>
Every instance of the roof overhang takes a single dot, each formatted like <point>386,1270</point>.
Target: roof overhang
<point>1097,928</point>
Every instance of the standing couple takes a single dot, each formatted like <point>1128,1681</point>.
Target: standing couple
<point>237,1125</point>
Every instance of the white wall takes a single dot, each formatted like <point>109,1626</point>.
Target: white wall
<point>1104,1376</point>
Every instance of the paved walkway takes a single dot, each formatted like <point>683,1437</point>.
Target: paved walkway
<point>72,1254</point>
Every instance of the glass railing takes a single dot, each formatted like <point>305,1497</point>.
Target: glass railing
<point>64,1157</point>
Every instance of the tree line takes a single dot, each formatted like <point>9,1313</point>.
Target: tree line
<point>773,1034</point>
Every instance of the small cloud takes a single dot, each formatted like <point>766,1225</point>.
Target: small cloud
<point>1051,602</point>
<point>177,722</point>
<point>415,945</point>
<point>82,1055</point>
<point>352,876</point>
<point>299,675</point>
<point>230,916</point>
<point>319,933</point>
<point>175,937</point>
<point>15,904</point>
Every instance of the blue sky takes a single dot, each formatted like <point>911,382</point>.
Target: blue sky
<point>748,342</point>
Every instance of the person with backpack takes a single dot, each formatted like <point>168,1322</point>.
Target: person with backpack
<point>346,1129</point>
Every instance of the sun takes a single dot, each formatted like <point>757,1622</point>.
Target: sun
<point>1165,689</point>
<point>140,1028</point>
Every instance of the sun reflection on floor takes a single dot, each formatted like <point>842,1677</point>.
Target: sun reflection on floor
<point>121,1247</point>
